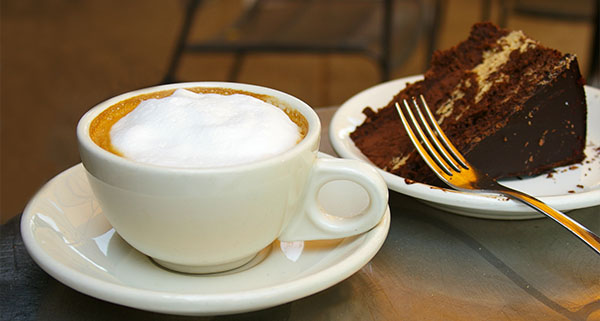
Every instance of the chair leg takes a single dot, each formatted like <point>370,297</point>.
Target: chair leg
<point>190,11</point>
<point>486,9</point>
<point>234,72</point>
<point>594,71</point>
<point>504,9</point>
<point>386,34</point>
<point>434,30</point>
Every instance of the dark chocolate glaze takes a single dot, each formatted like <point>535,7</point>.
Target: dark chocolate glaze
<point>549,131</point>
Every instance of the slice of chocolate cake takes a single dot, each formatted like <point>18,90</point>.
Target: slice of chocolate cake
<point>512,107</point>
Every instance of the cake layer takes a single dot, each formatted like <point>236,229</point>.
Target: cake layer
<point>512,106</point>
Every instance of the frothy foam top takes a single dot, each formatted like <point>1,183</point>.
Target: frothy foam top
<point>203,130</point>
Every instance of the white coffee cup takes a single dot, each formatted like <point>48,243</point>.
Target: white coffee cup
<point>217,219</point>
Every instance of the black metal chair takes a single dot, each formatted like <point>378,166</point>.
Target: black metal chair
<point>386,31</point>
<point>575,11</point>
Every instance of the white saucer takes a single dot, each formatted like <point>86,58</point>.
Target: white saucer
<point>566,190</point>
<point>66,233</point>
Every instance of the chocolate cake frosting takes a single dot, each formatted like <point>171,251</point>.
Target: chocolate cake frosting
<point>512,107</point>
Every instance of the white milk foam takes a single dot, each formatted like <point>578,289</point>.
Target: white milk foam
<point>203,130</point>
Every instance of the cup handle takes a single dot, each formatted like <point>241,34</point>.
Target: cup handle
<point>314,223</point>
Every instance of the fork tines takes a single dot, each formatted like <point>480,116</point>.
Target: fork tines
<point>439,153</point>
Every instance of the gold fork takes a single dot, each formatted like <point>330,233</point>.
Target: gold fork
<point>452,168</point>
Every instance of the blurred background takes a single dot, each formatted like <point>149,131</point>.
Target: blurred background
<point>61,57</point>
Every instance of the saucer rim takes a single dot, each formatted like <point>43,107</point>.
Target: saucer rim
<point>199,304</point>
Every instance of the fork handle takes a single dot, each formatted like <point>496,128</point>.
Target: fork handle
<point>587,236</point>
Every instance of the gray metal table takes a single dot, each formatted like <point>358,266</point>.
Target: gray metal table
<point>433,266</point>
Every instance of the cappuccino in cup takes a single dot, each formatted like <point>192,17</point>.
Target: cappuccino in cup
<point>202,176</point>
<point>198,128</point>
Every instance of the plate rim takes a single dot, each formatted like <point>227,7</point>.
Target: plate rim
<point>469,202</point>
<point>198,304</point>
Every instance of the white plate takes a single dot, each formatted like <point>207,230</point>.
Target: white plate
<point>568,189</point>
<point>66,233</point>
